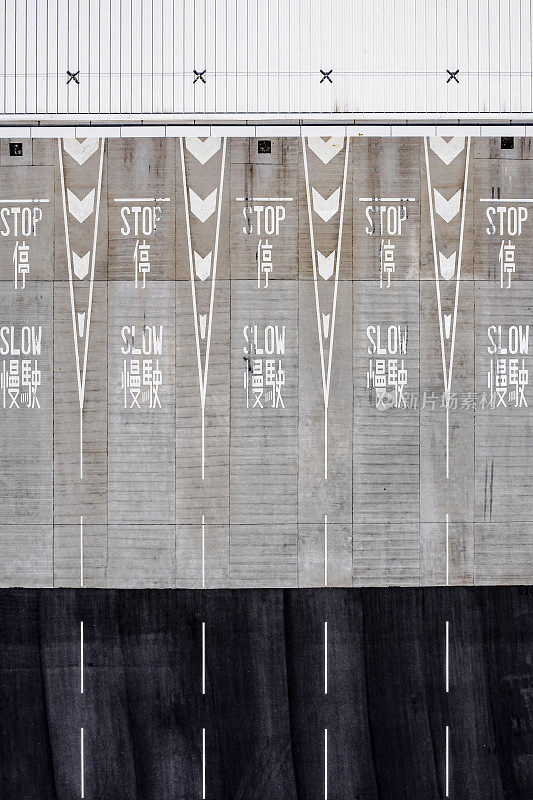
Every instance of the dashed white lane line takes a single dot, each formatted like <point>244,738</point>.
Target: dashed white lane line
<point>447,761</point>
<point>203,551</point>
<point>81,657</point>
<point>447,550</point>
<point>325,657</point>
<point>203,763</point>
<point>203,657</point>
<point>447,656</point>
<point>82,766</point>
<point>325,549</point>
<point>81,552</point>
<point>325,764</point>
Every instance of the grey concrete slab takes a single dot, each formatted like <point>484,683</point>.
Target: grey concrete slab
<point>325,554</point>
<point>263,554</point>
<point>141,555</point>
<point>27,218</point>
<point>81,180</point>
<point>386,435</point>
<point>415,489</point>
<point>197,495</point>
<point>318,495</point>
<point>504,428</point>
<point>447,553</point>
<point>26,404</point>
<point>26,555</point>
<point>80,555</point>
<point>326,179</point>
<point>264,222</point>
<point>80,492</point>
<point>142,209</point>
<point>386,554</point>
<point>44,152</point>
<point>498,221</point>
<point>141,407</point>
<point>503,556</point>
<point>445,491</point>
<point>21,156</point>
<point>202,556</point>
<point>203,179</point>
<point>264,404</point>
<point>386,206</point>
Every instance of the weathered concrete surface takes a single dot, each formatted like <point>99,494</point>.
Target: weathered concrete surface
<point>420,662</point>
<point>135,508</point>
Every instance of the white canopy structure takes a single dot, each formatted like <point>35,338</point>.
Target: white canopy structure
<point>273,60</point>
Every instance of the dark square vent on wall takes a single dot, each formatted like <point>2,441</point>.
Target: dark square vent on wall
<point>507,143</point>
<point>15,148</point>
<point>264,146</point>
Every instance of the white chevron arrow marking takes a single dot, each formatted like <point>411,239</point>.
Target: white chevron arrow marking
<point>202,318</point>
<point>202,150</point>
<point>80,209</point>
<point>447,151</point>
<point>81,265</point>
<point>447,209</point>
<point>447,265</point>
<point>326,208</point>
<point>81,323</point>
<point>326,264</point>
<point>203,208</point>
<point>202,266</point>
<point>326,149</point>
<point>81,151</point>
<point>447,325</point>
<point>325,324</point>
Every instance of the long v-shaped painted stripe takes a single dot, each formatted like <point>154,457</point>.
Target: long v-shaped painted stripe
<point>447,326</point>
<point>200,324</point>
<point>325,362</point>
<point>81,319</point>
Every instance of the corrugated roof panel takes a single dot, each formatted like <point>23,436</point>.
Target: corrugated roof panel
<point>266,57</point>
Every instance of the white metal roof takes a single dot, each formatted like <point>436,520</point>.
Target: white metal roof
<point>263,58</point>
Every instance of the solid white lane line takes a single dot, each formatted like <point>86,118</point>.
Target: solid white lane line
<point>447,761</point>
<point>325,764</point>
<point>505,200</point>
<point>203,763</point>
<point>447,550</point>
<point>81,657</point>
<point>264,199</point>
<point>203,551</point>
<point>203,657</point>
<point>81,551</point>
<point>325,549</point>
<point>325,657</point>
<point>447,656</point>
<point>82,766</point>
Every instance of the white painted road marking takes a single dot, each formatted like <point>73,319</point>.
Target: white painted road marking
<point>203,551</point>
<point>447,656</point>
<point>447,761</point>
<point>203,657</point>
<point>82,767</point>
<point>506,200</point>
<point>81,551</point>
<point>202,150</point>
<point>387,199</point>
<point>447,550</point>
<point>325,549</point>
<point>264,199</point>
<point>81,657</point>
<point>325,657</point>
<point>141,200</point>
<point>325,764</point>
<point>203,763</point>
